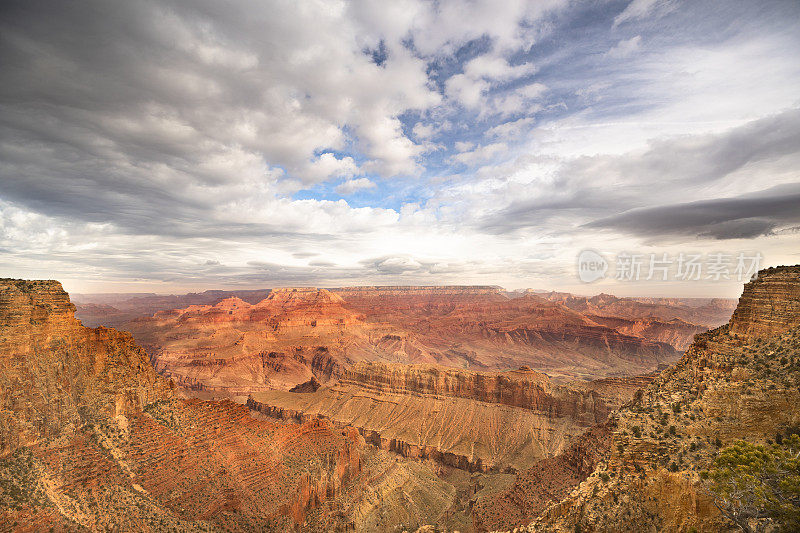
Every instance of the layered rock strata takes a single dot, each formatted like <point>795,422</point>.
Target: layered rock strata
<point>54,372</point>
<point>740,381</point>
<point>236,348</point>
<point>476,421</point>
<point>92,439</point>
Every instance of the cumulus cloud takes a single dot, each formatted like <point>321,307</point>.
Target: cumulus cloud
<point>142,143</point>
<point>485,72</point>
<point>327,166</point>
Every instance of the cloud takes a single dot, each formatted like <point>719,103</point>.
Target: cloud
<point>464,146</point>
<point>510,129</point>
<point>140,141</point>
<point>396,265</point>
<point>481,153</point>
<point>482,74</point>
<point>625,48</point>
<point>423,131</point>
<point>743,217</point>
<point>606,190</point>
<point>639,9</point>
<point>354,185</point>
<point>327,166</point>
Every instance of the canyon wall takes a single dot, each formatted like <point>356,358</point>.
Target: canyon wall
<point>54,372</point>
<point>93,439</point>
<point>522,388</point>
<point>475,421</point>
<point>234,347</point>
<point>769,304</point>
<point>740,381</point>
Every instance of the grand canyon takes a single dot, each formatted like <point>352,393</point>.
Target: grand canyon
<point>406,266</point>
<point>387,409</point>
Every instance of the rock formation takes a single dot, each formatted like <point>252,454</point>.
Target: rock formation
<point>54,372</point>
<point>235,347</point>
<point>705,312</point>
<point>93,439</point>
<point>739,381</point>
<point>476,421</point>
<point>114,310</point>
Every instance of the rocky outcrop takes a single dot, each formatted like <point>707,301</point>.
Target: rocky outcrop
<point>770,304</point>
<point>739,381</point>
<point>56,374</point>
<point>312,385</point>
<point>92,439</point>
<point>675,332</point>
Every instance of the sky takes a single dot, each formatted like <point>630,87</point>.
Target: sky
<point>187,145</point>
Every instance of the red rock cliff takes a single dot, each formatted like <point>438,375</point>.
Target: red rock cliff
<point>769,304</point>
<point>523,388</point>
<point>54,371</point>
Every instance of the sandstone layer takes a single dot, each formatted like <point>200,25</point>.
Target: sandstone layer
<point>476,421</point>
<point>93,439</point>
<point>739,381</point>
<point>53,371</point>
<point>236,348</point>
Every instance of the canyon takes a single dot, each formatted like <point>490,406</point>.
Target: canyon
<point>646,468</point>
<point>476,421</point>
<point>94,439</point>
<point>386,409</point>
<point>236,347</point>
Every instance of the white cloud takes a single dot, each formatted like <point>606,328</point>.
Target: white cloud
<point>481,75</point>
<point>465,90</point>
<point>625,47</point>
<point>327,166</point>
<point>464,146</point>
<point>480,154</point>
<point>639,9</point>
<point>423,131</point>
<point>354,185</point>
<point>513,129</point>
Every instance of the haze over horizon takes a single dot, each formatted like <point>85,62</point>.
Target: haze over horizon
<point>179,146</point>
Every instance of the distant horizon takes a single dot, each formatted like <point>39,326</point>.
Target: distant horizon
<point>589,294</point>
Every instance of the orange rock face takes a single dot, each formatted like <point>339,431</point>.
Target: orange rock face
<point>51,366</point>
<point>707,312</point>
<point>737,382</point>
<point>482,329</point>
<point>238,348</point>
<point>475,421</point>
<point>92,438</point>
<point>769,304</point>
<point>294,334</point>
